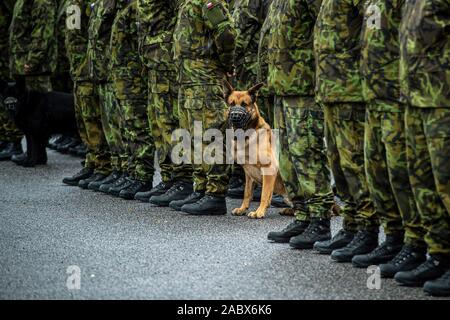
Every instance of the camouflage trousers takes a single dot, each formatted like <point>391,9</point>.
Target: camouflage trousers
<point>344,135</point>
<point>204,106</point>
<point>164,119</point>
<point>113,123</point>
<point>87,112</point>
<point>387,174</point>
<point>428,152</point>
<point>303,162</point>
<point>139,141</point>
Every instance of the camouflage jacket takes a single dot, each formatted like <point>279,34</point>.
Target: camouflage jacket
<point>32,37</point>
<point>425,53</point>
<point>63,64</point>
<point>99,36</point>
<point>125,65</point>
<point>204,42</point>
<point>249,16</point>
<point>263,47</point>
<point>380,50</point>
<point>337,49</point>
<point>6,12</point>
<point>157,19</point>
<point>291,53</point>
<point>77,38</point>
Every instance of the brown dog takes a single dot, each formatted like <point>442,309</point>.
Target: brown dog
<point>243,113</point>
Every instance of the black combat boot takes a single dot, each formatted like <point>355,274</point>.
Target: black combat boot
<point>55,140</point>
<point>122,178</point>
<point>95,185</point>
<point>63,140</point>
<point>407,259</point>
<point>137,186</point>
<point>179,191</point>
<point>293,229</point>
<point>238,192</point>
<point>318,230</point>
<point>383,253</point>
<point>439,287</point>
<point>3,145</point>
<point>364,242</point>
<point>9,150</point>
<point>192,198</point>
<point>81,151</point>
<point>159,189</point>
<point>278,202</point>
<point>83,184</point>
<point>433,268</point>
<point>115,191</point>
<point>74,150</point>
<point>340,240</point>
<point>64,148</point>
<point>209,204</point>
<point>236,187</point>
<point>77,177</point>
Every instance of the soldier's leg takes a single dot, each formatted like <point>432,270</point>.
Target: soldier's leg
<point>141,148</point>
<point>349,130</point>
<point>82,127</point>
<point>348,210</point>
<point>288,171</point>
<point>110,123</point>
<point>304,124</point>
<point>378,182</point>
<point>437,132</point>
<point>98,155</point>
<point>395,142</point>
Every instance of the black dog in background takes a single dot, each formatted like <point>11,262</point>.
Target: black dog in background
<point>38,115</point>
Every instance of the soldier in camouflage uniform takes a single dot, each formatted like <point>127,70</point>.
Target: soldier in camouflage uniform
<point>33,49</point>
<point>425,87</point>
<point>339,90</point>
<point>303,162</point>
<point>87,102</point>
<point>130,91</point>
<point>385,143</point>
<point>61,80</point>
<point>98,58</point>
<point>157,19</point>
<point>10,136</point>
<point>204,43</point>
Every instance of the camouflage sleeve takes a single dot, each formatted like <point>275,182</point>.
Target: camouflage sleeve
<point>219,21</point>
<point>43,16</point>
<point>247,17</point>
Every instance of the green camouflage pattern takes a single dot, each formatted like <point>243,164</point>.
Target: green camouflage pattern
<point>380,52</point>
<point>428,154</point>
<point>130,90</point>
<point>387,174</point>
<point>425,53</point>
<point>337,49</point>
<point>76,42</point>
<point>87,112</point>
<point>290,47</point>
<point>204,45</point>
<point>303,162</point>
<point>32,37</point>
<point>206,105</point>
<point>344,134</point>
<point>263,47</point>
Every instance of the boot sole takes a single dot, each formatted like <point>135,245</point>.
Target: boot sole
<point>72,184</point>
<point>410,284</point>
<point>279,240</point>
<point>443,293</point>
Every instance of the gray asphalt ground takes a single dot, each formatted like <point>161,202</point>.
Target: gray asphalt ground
<point>131,250</point>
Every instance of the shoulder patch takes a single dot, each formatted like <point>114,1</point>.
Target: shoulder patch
<point>214,12</point>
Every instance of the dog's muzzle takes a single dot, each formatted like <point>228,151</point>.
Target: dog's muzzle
<point>238,117</point>
<point>10,103</point>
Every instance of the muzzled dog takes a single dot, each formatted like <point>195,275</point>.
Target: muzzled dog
<point>255,148</point>
<point>38,115</point>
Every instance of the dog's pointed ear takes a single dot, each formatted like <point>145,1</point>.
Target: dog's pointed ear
<point>253,91</point>
<point>228,89</point>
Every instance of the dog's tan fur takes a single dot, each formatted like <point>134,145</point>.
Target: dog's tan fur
<point>271,183</point>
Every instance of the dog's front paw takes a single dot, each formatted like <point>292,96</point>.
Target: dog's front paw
<point>238,211</point>
<point>258,214</point>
